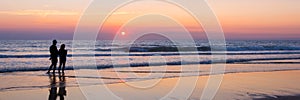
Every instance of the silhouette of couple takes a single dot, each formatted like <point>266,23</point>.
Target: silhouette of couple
<point>62,53</point>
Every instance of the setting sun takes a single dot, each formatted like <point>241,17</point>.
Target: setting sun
<point>123,33</point>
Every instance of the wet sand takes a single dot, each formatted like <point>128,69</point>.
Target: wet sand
<point>276,85</point>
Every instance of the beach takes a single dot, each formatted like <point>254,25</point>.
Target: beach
<point>248,85</point>
<point>151,70</point>
<point>150,50</point>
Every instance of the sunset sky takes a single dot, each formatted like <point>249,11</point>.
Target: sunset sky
<point>240,19</point>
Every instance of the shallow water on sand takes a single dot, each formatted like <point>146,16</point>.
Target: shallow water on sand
<point>38,79</point>
<point>235,86</point>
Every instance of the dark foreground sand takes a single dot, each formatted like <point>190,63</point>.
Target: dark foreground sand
<point>297,97</point>
<point>277,85</point>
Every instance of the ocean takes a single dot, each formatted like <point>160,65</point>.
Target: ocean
<point>33,55</point>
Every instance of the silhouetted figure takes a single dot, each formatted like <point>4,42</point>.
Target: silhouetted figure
<point>53,88</point>
<point>53,57</point>
<point>62,92</point>
<point>62,57</point>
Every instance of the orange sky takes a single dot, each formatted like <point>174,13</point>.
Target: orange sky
<point>240,19</point>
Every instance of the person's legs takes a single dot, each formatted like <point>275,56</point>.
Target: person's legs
<point>59,67</point>
<point>63,69</point>
<point>50,68</point>
<point>54,67</point>
<point>54,64</point>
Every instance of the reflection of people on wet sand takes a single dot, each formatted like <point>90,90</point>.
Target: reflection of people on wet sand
<point>53,57</point>
<point>53,88</point>
<point>62,92</point>
<point>62,58</point>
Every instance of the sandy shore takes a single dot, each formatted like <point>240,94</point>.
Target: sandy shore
<point>246,86</point>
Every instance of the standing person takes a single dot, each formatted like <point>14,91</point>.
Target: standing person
<point>53,56</point>
<point>62,57</point>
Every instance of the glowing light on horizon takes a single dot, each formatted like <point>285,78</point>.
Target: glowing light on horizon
<point>123,33</point>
